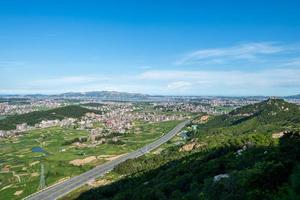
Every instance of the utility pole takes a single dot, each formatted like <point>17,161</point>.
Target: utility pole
<point>42,178</point>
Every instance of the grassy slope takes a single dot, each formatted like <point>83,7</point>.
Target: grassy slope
<point>266,170</point>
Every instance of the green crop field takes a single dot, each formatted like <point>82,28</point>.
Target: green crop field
<point>20,167</point>
<point>2,117</point>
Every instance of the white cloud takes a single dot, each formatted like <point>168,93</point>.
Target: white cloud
<point>293,63</point>
<point>179,74</point>
<point>265,82</point>
<point>68,80</point>
<point>247,51</point>
<point>178,85</point>
<point>184,82</point>
<point>202,81</point>
<point>163,74</point>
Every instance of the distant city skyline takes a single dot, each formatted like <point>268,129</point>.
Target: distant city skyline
<point>228,48</point>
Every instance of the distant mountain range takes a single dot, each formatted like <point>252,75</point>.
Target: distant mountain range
<point>293,97</point>
<point>114,95</point>
<point>104,94</point>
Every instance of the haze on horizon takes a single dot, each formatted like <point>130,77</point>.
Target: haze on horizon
<point>151,47</point>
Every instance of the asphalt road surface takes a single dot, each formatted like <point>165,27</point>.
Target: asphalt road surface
<point>63,188</point>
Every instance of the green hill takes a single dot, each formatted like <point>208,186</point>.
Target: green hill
<point>238,146</point>
<point>32,118</point>
<point>270,111</point>
<point>266,116</point>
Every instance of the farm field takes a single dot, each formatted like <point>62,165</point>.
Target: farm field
<point>2,117</point>
<point>22,157</point>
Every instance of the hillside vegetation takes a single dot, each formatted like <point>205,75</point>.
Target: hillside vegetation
<point>236,158</point>
<point>264,117</point>
<point>72,111</point>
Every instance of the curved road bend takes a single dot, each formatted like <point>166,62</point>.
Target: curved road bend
<point>63,188</point>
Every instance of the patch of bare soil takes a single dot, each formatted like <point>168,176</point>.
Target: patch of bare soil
<point>192,145</point>
<point>35,174</point>
<point>99,183</point>
<point>80,162</point>
<point>17,193</point>
<point>202,119</point>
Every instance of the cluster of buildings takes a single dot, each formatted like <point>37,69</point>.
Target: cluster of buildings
<point>205,105</point>
<point>120,118</point>
<point>117,118</point>
<point>185,107</point>
<point>20,128</point>
<point>181,107</point>
<point>233,102</point>
<point>12,108</point>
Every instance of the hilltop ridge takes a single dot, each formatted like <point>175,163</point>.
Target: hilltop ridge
<point>272,111</point>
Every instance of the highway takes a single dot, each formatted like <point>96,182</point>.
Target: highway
<point>59,190</point>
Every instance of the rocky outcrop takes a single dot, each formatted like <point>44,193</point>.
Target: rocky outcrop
<point>192,145</point>
<point>220,176</point>
<point>201,120</point>
<point>188,147</point>
<point>277,135</point>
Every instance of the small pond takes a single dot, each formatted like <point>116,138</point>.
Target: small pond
<point>38,150</point>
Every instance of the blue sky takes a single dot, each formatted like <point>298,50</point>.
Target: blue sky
<point>155,47</point>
